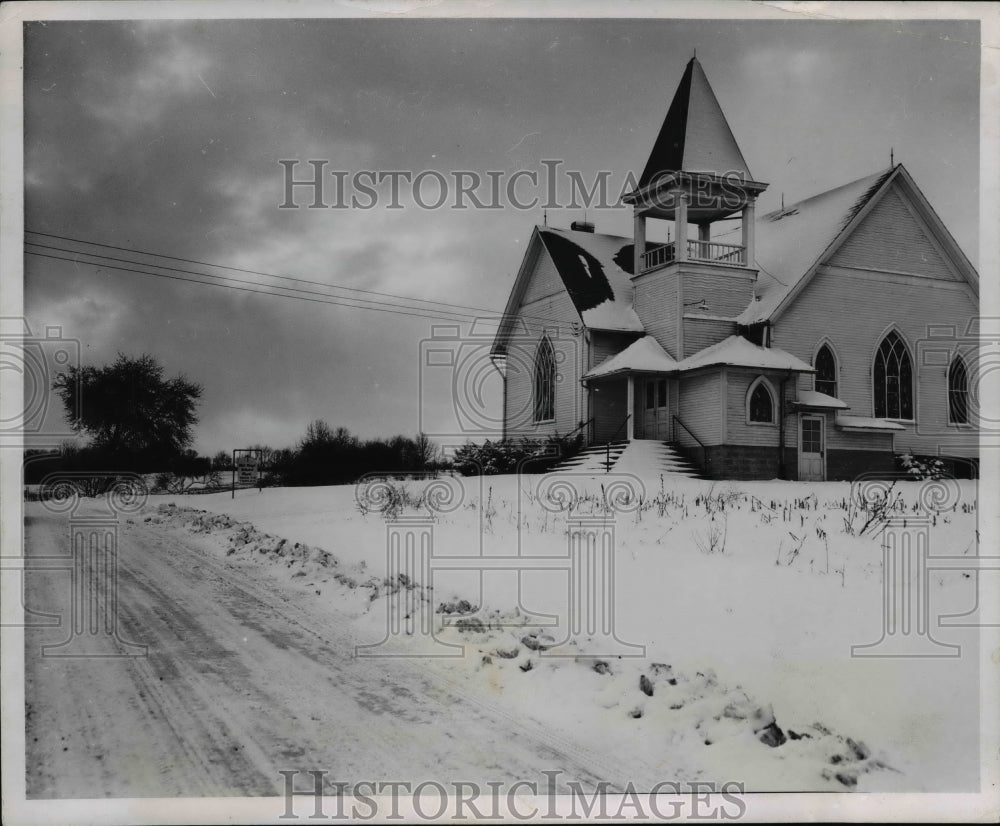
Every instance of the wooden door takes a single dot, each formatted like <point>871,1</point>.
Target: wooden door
<point>812,448</point>
<point>655,423</point>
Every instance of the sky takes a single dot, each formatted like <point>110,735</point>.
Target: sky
<point>165,136</point>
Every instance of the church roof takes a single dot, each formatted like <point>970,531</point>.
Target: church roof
<point>642,356</point>
<point>736,351</point>
<point>791,241</point>
<point>695,135</point>
<point>592,266</point>
<point>647,356</point>
<point>820,401</point>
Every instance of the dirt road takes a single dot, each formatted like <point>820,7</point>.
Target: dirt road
<point>239,684</point>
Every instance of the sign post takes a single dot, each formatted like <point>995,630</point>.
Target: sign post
<point>246,468</point>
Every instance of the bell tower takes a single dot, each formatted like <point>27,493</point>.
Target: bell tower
<point>695,176</point>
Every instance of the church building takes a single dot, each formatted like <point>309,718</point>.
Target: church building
<point>816,342</point>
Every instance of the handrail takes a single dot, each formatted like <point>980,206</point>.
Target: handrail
<point>696,250</point>
<point>701,444</point>
<point>689,431</point>
<point>580,426</point>
<point>607,458</point>
<point>715,251</point>
<point>658,256</point>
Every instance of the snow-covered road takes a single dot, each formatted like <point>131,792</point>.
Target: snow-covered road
<point>238,685</point>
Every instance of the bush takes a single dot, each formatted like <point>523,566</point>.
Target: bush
<point>923,467</point>
<point>510,456</point>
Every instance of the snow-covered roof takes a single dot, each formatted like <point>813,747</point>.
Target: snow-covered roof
<point>736,351</point>
<point>866,423</point>
<point>596,270</point>
<point>643,356</point>
<point>813,398</point>
<point>790,241</point>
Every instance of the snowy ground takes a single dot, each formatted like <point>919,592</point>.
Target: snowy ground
<point>747,597</point>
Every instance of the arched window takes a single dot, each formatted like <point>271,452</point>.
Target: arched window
<point>958,392</point>
<point>826,372</point>
<point>545,382</point>
<point>760,403</point>
<point>893,379</point>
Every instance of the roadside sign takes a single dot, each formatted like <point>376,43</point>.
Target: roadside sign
<point>246,468</point>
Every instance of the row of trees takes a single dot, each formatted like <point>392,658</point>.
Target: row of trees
<point>138,420</point>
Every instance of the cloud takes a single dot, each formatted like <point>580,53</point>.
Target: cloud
<point>166,136</point>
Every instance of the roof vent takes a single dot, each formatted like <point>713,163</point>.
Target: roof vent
<point>582,226</point>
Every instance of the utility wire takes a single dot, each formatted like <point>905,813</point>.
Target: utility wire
<point>236,280</point>
<point>334,300</point>
<point>404,298</point>
<point>252,272</point>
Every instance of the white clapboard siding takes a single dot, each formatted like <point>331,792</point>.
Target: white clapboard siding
<point>892,238</point>
<point>852,310</point>
<point>738,431</point>
<point>658,307</point>
<point>700,333</point>
<point>553,312</point>
<point>604,344</point>
<point>700,408</point>
<point>725,292</point>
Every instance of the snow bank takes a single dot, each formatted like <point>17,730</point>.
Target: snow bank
<point>750,595</point>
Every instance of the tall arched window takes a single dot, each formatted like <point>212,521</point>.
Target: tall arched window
<point>893,379</point>
<point>545,382</point>
<point>760,403</point>
<point>826,372</point>
<point>958,392</point>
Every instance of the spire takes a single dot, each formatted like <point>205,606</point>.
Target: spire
<point>695,136</point>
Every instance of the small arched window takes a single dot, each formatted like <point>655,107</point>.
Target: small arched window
<point>826,372</point>
<point>958,392</point>
<point>545,381</point>
<point>760,403</point>
<point>893,379</point>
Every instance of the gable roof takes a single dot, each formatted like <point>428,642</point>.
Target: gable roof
<point>793,242</point>
<point>695,135</point>
<point>643,356</point>
<point>594,267</point>
<point>736,351</point>
<point>647,356</point>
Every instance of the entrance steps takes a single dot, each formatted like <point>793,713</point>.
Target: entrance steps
<point>645,458</point>
<point>593,459</point>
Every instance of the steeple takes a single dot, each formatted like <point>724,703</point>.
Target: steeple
<point>696,174</point>
<point>695,135</point>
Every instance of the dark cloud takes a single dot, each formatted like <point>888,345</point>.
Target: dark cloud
<point>166,136</point>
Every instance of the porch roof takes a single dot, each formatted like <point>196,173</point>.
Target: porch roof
<point>644,355</point>
<point>821,401</point>
<point>867,423</point>
<point>736,351</point>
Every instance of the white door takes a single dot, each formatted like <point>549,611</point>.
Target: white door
<point>812,448</point>
<point>655,415</point>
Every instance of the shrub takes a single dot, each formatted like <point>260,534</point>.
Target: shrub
<point>511,455</point>
<point>923,467</point>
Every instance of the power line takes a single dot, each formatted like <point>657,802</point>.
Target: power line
<point>404,298</point>
<point>334,301</point>
<point>229,278</point>
<point>249,272</point>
